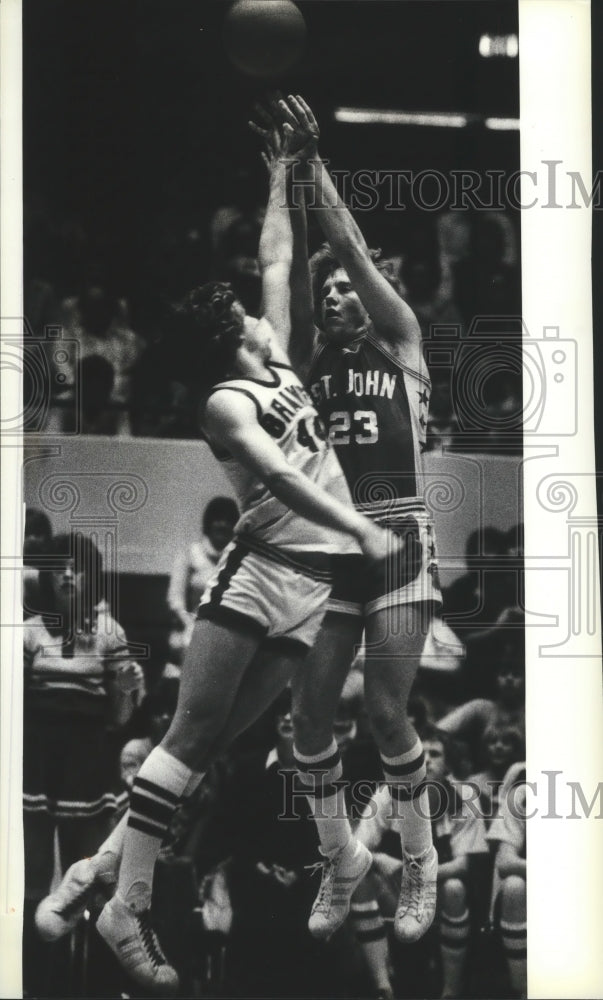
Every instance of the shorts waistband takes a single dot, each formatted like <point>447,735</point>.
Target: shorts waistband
<point>392,506</point>
<point>316,565</point>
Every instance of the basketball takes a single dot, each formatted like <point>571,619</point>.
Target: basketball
<point>264,38</point>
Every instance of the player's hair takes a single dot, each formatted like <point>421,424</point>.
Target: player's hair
<point>210,333</point>
<point>324,262</point>
<point>220,509</point>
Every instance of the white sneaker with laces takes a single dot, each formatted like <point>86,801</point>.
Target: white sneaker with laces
<point>417,903</point>
<point>62,910</point>
<point>133,941</point>
<point>342,872</point>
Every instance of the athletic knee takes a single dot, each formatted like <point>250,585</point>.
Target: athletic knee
<point>513,889</point>
<point>453,896</point>
<point>192,734</point>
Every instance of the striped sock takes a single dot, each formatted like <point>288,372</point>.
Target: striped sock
<point>410,801</point>
<point>514,937</point>
<point>320,774</point>
<point>158,788</point>
<point>372,938</point>
<point>454,939</point>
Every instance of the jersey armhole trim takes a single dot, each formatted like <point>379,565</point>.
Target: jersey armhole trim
<point>400,364</point>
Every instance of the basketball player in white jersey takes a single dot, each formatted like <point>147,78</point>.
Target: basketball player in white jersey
<point>263,609</point>
<point>365,370</point>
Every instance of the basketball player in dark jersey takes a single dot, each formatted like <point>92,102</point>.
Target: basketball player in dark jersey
<point>366,373</point>
<point>264,606</point>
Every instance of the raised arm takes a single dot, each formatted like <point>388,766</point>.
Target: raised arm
<point>301,309</point>
<point>391,316</point>
<point>303,331</point>
<point>231,421</point>
<point>275,255</point>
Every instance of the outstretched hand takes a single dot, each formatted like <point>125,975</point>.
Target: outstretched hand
<point>287,128</point>
<point>299,117</point>
<point>276,135</point>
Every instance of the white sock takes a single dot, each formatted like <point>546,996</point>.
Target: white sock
<point>410,802</point>
<point>321,774</point>
<point>157,791</point>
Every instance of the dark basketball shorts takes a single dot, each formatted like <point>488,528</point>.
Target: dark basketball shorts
<point>360,588</point>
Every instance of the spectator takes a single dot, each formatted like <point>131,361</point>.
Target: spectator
<point>473,600</point>
<point>96,320</point>
<point>78,680</point>
<point>508,834</point>
<point>37,543</point>
<point>194,566</point>
<point>502,746</point>
<point>502,652</point>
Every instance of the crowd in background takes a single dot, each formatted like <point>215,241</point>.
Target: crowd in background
<point>234,886</point>
<point>125,376</point>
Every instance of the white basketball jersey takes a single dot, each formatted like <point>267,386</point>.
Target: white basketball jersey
<point>287,414</point>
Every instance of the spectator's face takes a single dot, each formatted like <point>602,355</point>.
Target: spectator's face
<point>220,533</point>
<point>343,315</point>
<point>509,681</point>
<point>499,748</point>
<point>435,760</point>
<point>160,723</point>
<point>284,726</point>
<point>67,583</point>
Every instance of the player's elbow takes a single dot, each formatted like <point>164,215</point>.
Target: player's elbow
<point>277,255</point>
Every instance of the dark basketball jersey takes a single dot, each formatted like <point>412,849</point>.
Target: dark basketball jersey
<point>375,408</point>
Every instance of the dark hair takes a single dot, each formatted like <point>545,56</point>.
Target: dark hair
<point>483,540</point>
<point>209,333</point>
<point>37,523</point>
<point>220,509</point>
<point>86,557</point>
<point>499,726</point>
<point>324,262</point>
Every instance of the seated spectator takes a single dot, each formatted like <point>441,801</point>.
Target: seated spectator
<point>508,834</point>
<point>37,543</point>
<point>193,566</point>
<point>502,745</point>
<point>459,837</point>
